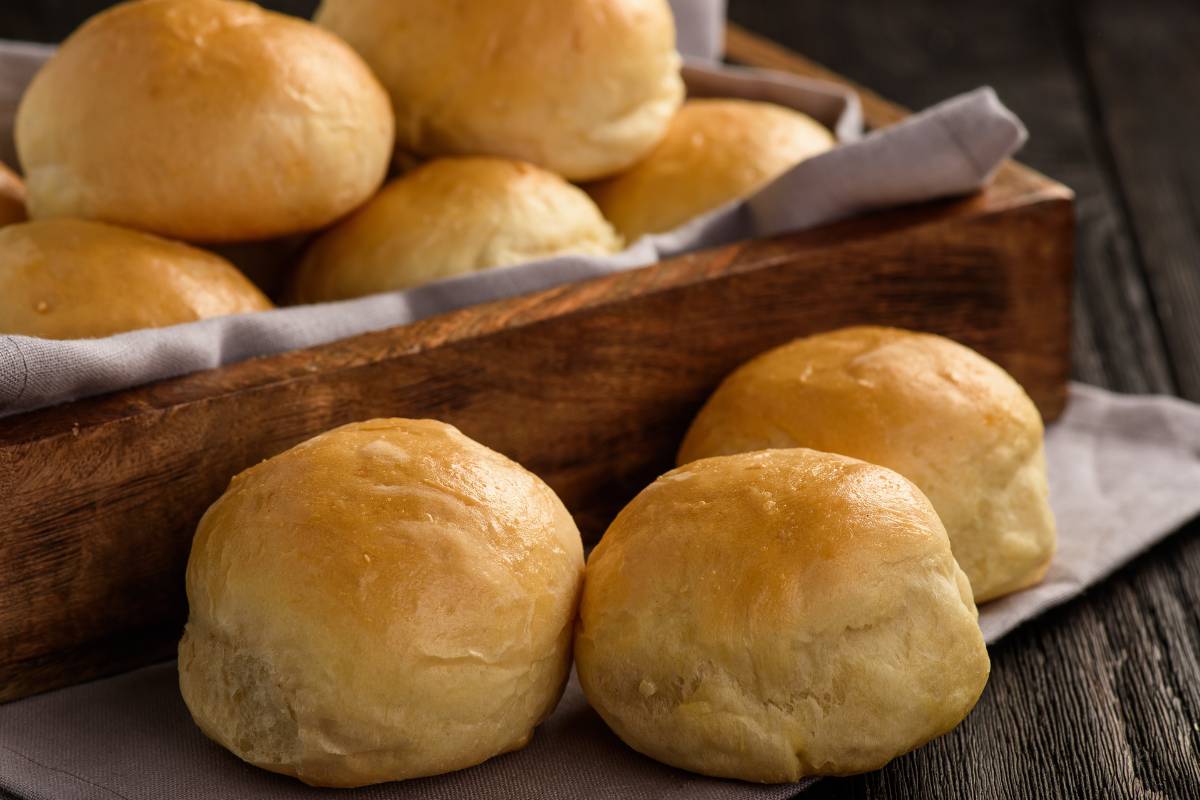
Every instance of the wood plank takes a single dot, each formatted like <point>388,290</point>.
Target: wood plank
<point>745,47</point>
<point>589,385</point>
<point>1152,123</point>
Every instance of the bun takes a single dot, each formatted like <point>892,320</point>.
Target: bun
<point>449,217</point>
<point>940,414</point>
<point>387,600</point>
<point>12,197</point>
<point>203,120</point>
<point>581,87</point>
<point>715,152</point>
<point>71,279</point>
<point>772,615</point>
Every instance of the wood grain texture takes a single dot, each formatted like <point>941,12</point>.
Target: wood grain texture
<point>1152,123</point>
<point>1097,699</point>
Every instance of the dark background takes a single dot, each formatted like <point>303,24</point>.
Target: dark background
<point>1100,698</point>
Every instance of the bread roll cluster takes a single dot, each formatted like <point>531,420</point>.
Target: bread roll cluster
<point>205,121</point>
<point>940,414</point>
<point>392,600</point>
<point>268,139</point>
<point>798,597</point>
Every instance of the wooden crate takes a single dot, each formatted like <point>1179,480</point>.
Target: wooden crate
<point>590,385</point>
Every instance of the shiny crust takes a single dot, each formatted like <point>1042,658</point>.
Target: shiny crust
<point>945,417</point>
<point>581,87</point>
<point>203,120</point>
<point>386,600</point>
<point>772,615</point>
<point>715,152</point>
<point>450,217</point>
<point>71,279</point>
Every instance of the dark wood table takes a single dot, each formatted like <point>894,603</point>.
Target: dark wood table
<point>1100,698</point>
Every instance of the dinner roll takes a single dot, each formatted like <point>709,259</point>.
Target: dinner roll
<point>72,279</point>
<point>773,615</point>
<point>204,120</point>
<point>387,600</point>
<point>940,414</point>
<point>12,197</point>
<point>449,217</point>
<point>581,87</point>
<point>715,152</point>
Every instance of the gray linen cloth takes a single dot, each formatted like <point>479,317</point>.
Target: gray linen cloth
<point>700,27</point>
<point>951,149</point>
<point>1124,472</point>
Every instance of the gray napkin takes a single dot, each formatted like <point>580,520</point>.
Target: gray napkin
<point>700,27</point>
<point>951,149</point>
<point>1124,472</point>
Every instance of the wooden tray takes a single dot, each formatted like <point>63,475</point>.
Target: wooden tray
<point>590,385</point>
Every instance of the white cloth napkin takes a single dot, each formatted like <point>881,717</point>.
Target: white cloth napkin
<point>1124,472</point>
<point>950,149</point>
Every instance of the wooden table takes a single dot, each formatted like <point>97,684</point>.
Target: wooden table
<point>1100,698</point>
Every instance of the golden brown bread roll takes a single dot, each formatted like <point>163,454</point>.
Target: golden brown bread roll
<point>581,87</point>
<point>12,197</point>
<point>715,152</point>
<point>386,600</point>
<point>940,414</point>
<point>449,217</point>
<point>73,279</point>
<point>772,615</point>
<point>203,120</point>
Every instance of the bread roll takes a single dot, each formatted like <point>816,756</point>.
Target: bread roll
<point>12,197</point>
<point>773,615</point>
<point>203,120</point>
<point>715,152</point>
<point>71,279</point>
<point>387,600</point>
<point>581,87</point>
<point>449,217</point>
<point>940,414</point>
